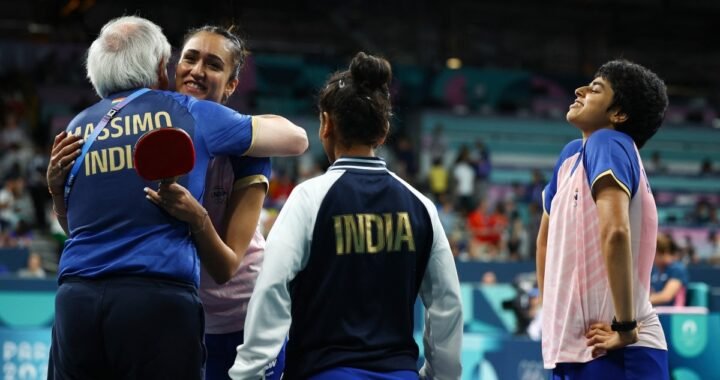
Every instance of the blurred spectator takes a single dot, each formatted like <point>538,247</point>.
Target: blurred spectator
<point>688,253</point>
<point>37,185</point>
<point>703,213</point>
<point>8,219</point>
<point>488,278</point>
<point>517,240</point>
<point>438,179</point>
<point>310,167</point>
<point>706,168</point>
<point>405,156</point>
<point>511,211</point>
<point>34,267</point>
<point>499,224</point>
<point>451,223</point>
<point>464,176</point>
<point>669,276</point>
<point>656,164</point>
<point>478,226</point>
<point>447,214</point>
<point>22,235</point>
<point>483,167</point>
<point>15,203</point>
<point>281,186</point>
<point>534,190</point>
<point>437,143</point>
<point>12,132</point>
<point>485,231</point>
<point>15,145</point>
<point>516,193</point>
<point>711,251</point>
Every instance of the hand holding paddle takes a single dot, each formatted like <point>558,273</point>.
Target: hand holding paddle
<point>178,202</point>
<point>165,154</point>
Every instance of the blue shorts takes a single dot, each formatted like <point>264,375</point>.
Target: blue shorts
<point>347,373</point>
<point>222,351</point>
<point>629,363</point>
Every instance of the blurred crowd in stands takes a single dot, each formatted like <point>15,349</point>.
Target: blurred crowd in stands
<point>487,221</point>
<point>484,221</point>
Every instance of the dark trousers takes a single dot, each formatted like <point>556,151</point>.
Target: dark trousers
<point>127,328</point>
<point>221,354</point>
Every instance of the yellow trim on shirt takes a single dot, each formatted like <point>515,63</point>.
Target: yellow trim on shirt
<point>252,137</point>
<point>244,182</point>
<point>606,172</point>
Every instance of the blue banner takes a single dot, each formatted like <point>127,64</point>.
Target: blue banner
<point>693,345</point>
<point>24,353</point>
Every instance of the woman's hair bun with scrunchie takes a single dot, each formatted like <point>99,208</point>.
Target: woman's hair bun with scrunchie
<point>358,100</point>
<point>370,72</point>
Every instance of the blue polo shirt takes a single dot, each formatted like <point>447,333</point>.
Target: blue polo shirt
<point>659,278</point>
<point>114,229</point>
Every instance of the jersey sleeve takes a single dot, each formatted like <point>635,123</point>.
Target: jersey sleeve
<point>549,192</point>
<point>609,152</point>
<point>225,131</point>
<point>440,293</point>
<point>551,188</point>
<point>250,170</point>
<point>268,316</point>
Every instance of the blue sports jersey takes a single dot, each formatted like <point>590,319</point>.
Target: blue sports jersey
<point>605,151</point>
<point>114,229</point>
<point>345,261</point>
<point>356,274</point>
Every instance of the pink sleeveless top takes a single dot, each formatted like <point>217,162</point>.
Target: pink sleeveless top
<point>226,305</point>
<point>576,290</point>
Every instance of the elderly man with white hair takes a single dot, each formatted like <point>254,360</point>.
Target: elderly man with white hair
<point>127,304</point>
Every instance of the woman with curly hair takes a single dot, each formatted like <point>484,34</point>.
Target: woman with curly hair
<point>597,236</point>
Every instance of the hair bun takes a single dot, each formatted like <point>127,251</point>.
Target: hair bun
<point>370,72</point>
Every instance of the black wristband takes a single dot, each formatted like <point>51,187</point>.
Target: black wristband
<point>623,326</point>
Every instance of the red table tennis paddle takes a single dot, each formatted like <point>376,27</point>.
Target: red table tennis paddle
<point>164,154</point>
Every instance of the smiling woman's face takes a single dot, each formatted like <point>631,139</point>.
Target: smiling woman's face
<point>205,68</point>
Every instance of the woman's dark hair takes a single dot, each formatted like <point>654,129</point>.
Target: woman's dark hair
<point>237,45</point>
<point>358,100</point>
<point>666,244</point>
<point>640,94</point>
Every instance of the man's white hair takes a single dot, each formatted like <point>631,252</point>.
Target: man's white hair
<point>126,55</point>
